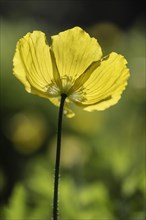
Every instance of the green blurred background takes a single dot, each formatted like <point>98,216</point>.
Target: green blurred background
<point>103,153</point>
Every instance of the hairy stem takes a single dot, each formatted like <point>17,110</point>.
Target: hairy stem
<point>57,164</point>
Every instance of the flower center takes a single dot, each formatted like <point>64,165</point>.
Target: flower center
<point>54,90</point>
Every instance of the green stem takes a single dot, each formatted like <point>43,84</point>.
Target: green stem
<point>57,164</point>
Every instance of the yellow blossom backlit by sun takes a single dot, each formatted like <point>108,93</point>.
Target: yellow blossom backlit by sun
<point>72,65</point>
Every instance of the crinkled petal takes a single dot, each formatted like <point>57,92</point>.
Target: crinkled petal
<point>32,61</point>
<point>74,51</point>
<point>106,84</point>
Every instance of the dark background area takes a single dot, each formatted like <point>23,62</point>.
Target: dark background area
<point>70,13</point>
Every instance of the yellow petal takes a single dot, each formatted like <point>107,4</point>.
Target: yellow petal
<point>106,84</point>
<point>74,51</point>
<point>67,111</point>
<point>32,61</point>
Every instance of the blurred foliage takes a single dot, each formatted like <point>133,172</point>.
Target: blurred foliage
<point>103,153</point>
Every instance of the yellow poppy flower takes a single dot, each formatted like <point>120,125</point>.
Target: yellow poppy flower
<point>72,65</point>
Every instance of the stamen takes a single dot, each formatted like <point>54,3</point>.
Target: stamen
<point>78,96</point>
<point>53,90</point>
<point>67,82</point>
